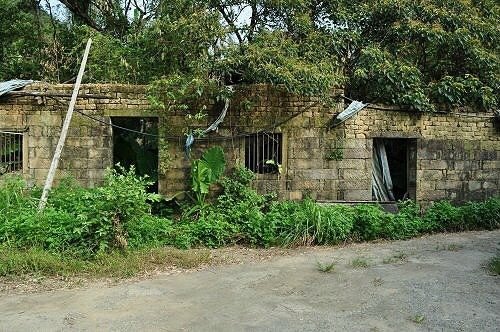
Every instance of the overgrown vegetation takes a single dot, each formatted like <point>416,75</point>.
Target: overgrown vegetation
<point>83,225</point>
<point>395,51</point>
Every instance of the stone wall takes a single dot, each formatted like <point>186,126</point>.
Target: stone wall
<point>88,148</point>
<point>458,155</point>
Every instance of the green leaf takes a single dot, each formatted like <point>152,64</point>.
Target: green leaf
<point>200,176</point>
<point>215,161</point>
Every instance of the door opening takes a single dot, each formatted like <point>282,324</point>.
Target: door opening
<point>394,169</point>
<point>134,148</point>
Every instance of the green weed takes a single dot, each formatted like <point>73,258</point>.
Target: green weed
<point>325,267</point>
<point>418,319</point>
<point>493,266</point>
<point>454,247</point>
<point>398,258</point>
<point>378,281</point>
<point>449,247</point>
<point>360,262</point>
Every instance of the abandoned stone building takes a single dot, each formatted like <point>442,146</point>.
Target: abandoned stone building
<point>287,140</point>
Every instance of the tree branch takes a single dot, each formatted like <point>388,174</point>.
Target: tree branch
<point>82,13</point>
<point>228,20</point>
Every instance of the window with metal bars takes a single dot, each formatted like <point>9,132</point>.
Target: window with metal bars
<point>263,152</point>
<point>11,152</point>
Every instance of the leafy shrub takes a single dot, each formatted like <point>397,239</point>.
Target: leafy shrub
<point>84,221</point>
<point>405,224</point>
<point>210,230</point>
<point>149,231</point>
<point>482,215</point>
<point>369,222</point>
<point>101,214</point>
<point>372,222</point>
<point>442,216</point>
<point>236,189</point>
<point>242,206</point>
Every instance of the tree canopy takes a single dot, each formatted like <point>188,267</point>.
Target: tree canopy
<point>415,53</point>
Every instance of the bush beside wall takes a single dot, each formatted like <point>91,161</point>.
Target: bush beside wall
<point>117,215</point>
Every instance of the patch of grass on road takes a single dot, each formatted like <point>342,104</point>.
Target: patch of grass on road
<point>399,258</point>
<point>360,262</point>
<point>418,319</point>
<point>378,281</point>
<point>325,267</point>
<point>116,264</point>
<point>493,266</point>
<point>449,247</point>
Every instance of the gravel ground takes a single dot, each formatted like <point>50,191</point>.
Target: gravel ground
<point>434,283</point>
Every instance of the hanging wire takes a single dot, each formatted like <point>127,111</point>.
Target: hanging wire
<point>215,138</point>
<point>242,135</point>
<point>115,126</point>
<point>409,110</point>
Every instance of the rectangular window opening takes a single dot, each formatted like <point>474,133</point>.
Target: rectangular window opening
<point>11,152</point>
<point>394,169</point>
<point>263,152</point>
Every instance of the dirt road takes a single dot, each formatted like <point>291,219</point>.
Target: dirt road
<point>434,283</point>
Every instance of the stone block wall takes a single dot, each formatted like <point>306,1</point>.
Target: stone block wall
<point>458,155</point>
<point>88,149</point>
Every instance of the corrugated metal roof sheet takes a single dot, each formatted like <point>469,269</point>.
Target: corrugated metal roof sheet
<point>354,108</point>
<point>8,86</point>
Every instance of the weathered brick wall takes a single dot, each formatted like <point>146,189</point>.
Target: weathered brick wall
<point>304,166</point>
<point>458,156</point>
<point>88,149</point>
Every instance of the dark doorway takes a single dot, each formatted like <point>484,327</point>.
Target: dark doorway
<point>133,147</point>
<point>399,155</point>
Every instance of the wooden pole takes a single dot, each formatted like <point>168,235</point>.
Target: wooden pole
<point>64,131</point>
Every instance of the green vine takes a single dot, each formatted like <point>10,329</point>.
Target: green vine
<point>164,156</point>
<point>190,95</point>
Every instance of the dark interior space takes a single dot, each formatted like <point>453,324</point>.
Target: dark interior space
<point>135,148</point>
<point>396,150</point>
<point>395,158</point>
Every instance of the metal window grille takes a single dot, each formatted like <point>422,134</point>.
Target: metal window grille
<point>11,152</point>
<point>263,152</point>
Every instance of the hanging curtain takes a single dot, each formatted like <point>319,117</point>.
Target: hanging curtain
<point>381,176</point>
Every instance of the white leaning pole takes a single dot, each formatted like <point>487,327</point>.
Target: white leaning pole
<point>64,131</point>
